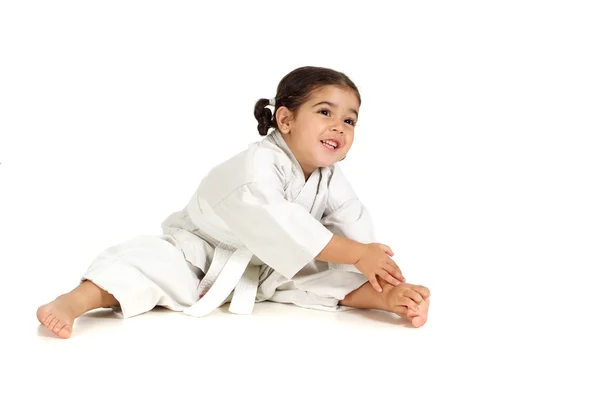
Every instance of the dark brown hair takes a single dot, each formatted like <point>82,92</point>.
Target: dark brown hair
<point>294,89</point>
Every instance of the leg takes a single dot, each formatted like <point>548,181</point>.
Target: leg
<point>401,300</point>
<point>134,276</point>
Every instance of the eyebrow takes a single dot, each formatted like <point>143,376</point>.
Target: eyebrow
<point>330,104</point>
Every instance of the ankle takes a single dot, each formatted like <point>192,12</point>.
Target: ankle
<point>86,297</point>
<point>98,297</point>
<point>69,303</point>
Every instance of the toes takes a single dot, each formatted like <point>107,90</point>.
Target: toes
<point>419,321</point>
<point>65,332</point>
<point>58,326</point>
<point>43,315</point>
<point>419,318</point>
<point>52,322</point>
<point>47,319</point>
<point>55,320</point>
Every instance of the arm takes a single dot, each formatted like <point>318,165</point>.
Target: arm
<point>342,250</point>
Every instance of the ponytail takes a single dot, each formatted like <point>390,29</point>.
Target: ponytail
<point>264,116</point>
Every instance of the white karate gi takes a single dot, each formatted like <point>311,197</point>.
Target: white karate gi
<point>250,233</point>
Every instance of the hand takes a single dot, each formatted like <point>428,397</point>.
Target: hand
<point>376,261</point>
<point>406,297</point>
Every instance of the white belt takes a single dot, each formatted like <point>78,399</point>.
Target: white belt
<point>229,271</point>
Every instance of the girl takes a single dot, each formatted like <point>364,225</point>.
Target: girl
<point>277,222</point>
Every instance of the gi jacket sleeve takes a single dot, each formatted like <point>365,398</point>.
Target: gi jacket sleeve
<point>281,234</point>
<point>346,215</point>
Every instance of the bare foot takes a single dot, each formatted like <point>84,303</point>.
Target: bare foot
<point>418,318</point>
<point>57,316</point>
<point>408,301</point>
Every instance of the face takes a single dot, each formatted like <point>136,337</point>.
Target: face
<point>322,131</point>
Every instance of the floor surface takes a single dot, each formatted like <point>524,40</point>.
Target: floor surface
<point>283,351</point>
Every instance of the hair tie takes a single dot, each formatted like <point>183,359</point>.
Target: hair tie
<point>272,102</point>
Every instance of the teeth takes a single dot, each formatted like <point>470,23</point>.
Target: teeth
<point>330,143</point>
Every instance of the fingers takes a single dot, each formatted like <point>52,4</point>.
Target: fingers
<point>422,290</point>
<point>395,272</point>
<point>389,278</point>
<point>407,302</point>
<point>388,250</point>
<point>393,263</point>
<point>400,310</point>
<point>375,284</point>
<point>416,297</point>
<point>394,269</point>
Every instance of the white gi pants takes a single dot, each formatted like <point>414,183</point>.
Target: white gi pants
<point>145,272</point>
<point>152,270</point>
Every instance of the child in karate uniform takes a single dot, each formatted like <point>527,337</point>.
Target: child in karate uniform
<point>276,222</point>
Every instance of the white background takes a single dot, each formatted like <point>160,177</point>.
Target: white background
<point>477,152</point>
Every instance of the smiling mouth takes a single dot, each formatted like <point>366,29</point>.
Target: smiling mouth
<point>330,144</point>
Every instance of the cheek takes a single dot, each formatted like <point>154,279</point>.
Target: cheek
<point>349,141</point>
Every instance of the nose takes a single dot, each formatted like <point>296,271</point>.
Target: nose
<point>337,127</point>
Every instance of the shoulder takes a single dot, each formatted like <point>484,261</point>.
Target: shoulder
<point>265,160</point>
<point>261,162</point>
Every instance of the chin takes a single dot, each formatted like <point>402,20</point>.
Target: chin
<point>329,163</point>
<point>323,162</point>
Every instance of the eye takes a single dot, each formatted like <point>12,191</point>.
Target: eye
<point>350,121</point>
<point>324,110</point>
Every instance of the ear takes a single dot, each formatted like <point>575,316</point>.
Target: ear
<point>284,119</point>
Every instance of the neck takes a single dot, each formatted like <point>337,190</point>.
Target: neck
<point>307,174</point>
<point>307,171</point>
